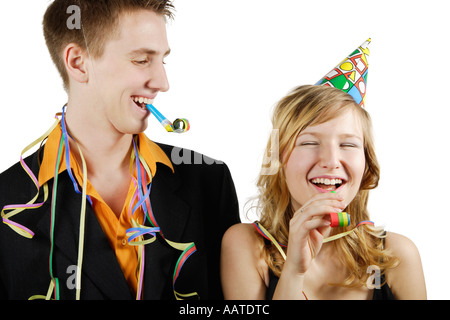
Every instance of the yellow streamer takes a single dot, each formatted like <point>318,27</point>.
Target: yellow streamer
<point>337,236</point>
<point>33,200</point>
<point>82,224</point>
<point>275,242</point>
<point>49,293</point>
<point>141,241</point>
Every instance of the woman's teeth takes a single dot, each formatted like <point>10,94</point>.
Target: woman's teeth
<point>327,181</point>
<point>327,184</point>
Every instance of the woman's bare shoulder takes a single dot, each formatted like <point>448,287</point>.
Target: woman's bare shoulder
<point>244,272</point>
<point>242,235</point>
<point>407,279</point>
<point>401,246</point>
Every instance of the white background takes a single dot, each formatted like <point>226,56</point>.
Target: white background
<point>233,59</point>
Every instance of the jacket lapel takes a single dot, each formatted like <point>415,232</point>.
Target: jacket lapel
<point>171,213</point>
<point>100,266</point>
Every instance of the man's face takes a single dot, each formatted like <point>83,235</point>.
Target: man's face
<point>132,65</point>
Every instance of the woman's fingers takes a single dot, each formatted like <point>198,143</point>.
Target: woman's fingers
<point>301,227</point>
<point>318,211</point>
<point>321,204</point>
<point>317,223</point>
<point>324,196</point>
<point>308,226</point>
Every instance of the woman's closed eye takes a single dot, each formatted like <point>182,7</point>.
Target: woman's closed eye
<point>309,143</point>
<point>350,145</point>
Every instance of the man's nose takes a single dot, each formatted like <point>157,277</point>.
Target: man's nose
<point>158,78</point>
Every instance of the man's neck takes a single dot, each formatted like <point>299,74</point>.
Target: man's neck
<point>105,149</point>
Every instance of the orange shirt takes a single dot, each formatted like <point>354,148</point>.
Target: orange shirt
<point>113,227</point>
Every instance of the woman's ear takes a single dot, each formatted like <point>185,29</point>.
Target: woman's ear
<point>75,62</point>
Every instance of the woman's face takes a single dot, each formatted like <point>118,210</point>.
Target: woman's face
<point>326,157</point>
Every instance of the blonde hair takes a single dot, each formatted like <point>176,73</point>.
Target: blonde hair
<point>302,107</point>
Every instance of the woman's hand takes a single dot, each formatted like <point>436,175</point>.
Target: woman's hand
<point>307,229</point>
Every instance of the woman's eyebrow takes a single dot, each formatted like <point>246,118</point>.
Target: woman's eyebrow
<point>342,135</point>
<point>351,135</point>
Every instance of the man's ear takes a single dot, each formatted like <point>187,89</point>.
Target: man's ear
<point>75,61</point>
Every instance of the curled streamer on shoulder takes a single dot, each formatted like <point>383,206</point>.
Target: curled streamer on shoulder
<point>17,208</point>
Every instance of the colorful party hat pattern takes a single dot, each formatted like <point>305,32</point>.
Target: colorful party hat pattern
<point>351,74</point>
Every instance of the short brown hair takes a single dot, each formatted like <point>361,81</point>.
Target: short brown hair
<point>99,21</point>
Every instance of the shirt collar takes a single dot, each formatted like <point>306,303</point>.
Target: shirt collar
<point>149,150</point>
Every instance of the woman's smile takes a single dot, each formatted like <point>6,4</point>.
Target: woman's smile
<point>327,157</point>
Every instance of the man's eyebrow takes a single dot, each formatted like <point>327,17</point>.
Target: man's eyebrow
<point>148,51</point>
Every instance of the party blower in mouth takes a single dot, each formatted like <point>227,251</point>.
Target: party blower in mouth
<point>178,126</point>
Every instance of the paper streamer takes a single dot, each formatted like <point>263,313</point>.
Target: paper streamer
<point>135,234</point>
<point>17,208</point>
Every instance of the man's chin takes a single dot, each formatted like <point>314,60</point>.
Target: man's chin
<point>133,129</point>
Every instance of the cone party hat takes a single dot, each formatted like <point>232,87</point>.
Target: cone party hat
<point>351,74</point>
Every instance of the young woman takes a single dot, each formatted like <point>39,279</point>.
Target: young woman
<point>327,164</point>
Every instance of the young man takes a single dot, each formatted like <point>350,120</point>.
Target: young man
<point>75,239</point>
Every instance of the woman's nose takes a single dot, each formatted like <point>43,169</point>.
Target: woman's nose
<point>329,158</point>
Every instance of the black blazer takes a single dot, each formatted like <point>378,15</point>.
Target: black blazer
<point>197,204</point>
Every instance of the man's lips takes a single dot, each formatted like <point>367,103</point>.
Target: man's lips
<point>142,101</point>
